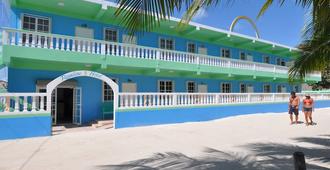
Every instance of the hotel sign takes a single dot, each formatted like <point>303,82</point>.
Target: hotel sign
<point>83,73</point>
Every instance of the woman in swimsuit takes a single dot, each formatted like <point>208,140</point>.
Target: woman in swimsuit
<point>308,108</point>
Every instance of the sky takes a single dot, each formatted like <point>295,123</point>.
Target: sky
<point>280,24</point>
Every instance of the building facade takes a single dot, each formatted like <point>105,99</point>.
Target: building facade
<point>43,40</point>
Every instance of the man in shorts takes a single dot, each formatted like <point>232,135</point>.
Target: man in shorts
<point>294,102</point>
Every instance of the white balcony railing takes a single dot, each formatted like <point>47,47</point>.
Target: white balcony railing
<point>22,103</point>
<point>156,100</point>
<point>76,44</point>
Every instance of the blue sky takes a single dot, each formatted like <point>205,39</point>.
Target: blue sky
<point>279,24</point>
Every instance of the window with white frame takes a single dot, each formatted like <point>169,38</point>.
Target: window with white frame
<point>110,35</point>
<point>191,87</point>
<point>266,59</point>
<point>278,61</point>
<point>267,88</point>
<point>243,88</point>
<point>242,55</point>
<point>279,89</point>
<point>225,87</point>
<point>225,52</point>
<point>165,86</point>
<point>166,43</point>
<point>36,23</point>
<point>191,47</point>
<point>107,92</point>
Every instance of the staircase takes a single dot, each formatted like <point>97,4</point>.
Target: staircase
<point>103,124</point>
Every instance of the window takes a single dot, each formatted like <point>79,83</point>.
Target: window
<point>243,56</point>
<point>226,87</point>
<point>225,53</point>
<point>191,48</point>
<point>243,88</point>
<point>278,61</point>
<point>279,89</point>
<point>110,35</point>
<point>267,88</point>
<point>266,59</point>
<point>35,23</point>
<point>165,86</point>
<point>295,88</point>
<point>167,44</point>
<point>202,50</point>
<point>191,87</point>
<point>107,91</point>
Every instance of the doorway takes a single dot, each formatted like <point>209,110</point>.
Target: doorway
<point>64,105</point>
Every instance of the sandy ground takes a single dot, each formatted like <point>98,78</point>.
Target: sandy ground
<point>259,141</point>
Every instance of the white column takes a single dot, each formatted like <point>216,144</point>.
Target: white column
<point>33,103</point>
<point>17,104</point>
<point>42,103</point>
<point>25,104</point>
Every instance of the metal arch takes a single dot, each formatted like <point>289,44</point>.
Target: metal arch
<point>249,20</point>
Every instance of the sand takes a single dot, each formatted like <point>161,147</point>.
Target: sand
<point>258,141</point>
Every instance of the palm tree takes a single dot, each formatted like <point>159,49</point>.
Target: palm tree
<point>144,15</point>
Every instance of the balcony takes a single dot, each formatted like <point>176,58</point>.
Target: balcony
<point>47,51</point>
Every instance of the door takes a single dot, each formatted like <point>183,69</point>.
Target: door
<point>84,32</point>
<point>129,87</point>
<point>54,106</point>
<point>250,89</point>
<point>202,50</point>
<point>77,106</point>
<point>202,88</point>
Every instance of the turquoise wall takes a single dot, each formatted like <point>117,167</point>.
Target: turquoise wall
<point>21,80</point>
<point>180,115</point>
<point>25,126</point>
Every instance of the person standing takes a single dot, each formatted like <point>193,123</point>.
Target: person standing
<point>294,103</point>
<point>308,105</point>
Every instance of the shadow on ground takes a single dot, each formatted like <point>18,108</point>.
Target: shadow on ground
<point>273,156</point>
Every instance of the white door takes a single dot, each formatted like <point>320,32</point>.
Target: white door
<point>250,89</point>
<point>129,87</point>
<point>84,32</point>
<point>77,106</point>
<point>249,57</point>
<point>54,106</point>
<point>202,88</point>
<point>127,39</point>
<point>202,50</point>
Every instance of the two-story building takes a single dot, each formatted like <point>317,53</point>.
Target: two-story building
<point>42,40</point>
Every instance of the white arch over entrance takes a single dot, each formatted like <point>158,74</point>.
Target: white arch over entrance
<point>83,73</point>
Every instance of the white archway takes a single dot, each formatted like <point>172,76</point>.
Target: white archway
<point>83,73</point>
<point>232,25</point>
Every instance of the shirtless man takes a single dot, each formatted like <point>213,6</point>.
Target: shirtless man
<point>294,102</point>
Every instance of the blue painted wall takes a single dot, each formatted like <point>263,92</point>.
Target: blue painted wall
<point>24,127</point>
<point>180,115</point>
<point>148,39</point>
<point>21,80</point>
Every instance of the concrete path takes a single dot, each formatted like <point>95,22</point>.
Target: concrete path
<point>259,141</point>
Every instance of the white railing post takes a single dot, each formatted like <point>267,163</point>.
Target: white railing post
<point>4,37</point>
<point>25,104</point>
<point>33,103</point>
<point>17,104</point>
<point>273,97</point>
<point>42,103</point>
<point>249,97</point>
<point>174,100</point>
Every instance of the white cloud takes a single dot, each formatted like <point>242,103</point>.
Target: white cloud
<point>202,13</point>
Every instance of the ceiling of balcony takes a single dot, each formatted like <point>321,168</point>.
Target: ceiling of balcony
<point>95,12</point>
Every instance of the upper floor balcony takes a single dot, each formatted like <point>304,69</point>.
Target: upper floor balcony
<point>26,49</point>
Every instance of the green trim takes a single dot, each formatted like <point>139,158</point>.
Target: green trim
<point>57,60</point>
<point>15,115</point>
<point>191,107</point>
